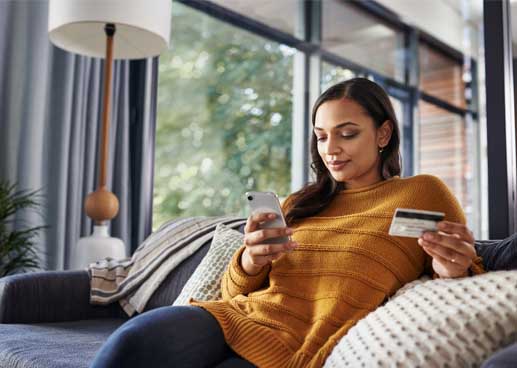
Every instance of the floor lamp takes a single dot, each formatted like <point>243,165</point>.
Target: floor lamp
<point>113,29</point>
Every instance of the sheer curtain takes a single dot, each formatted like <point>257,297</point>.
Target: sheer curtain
<point>50,109</point>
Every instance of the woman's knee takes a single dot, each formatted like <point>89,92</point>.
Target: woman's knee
<point>125,341</point>
<point>167,325</point>
<point>505,358</point>
<point>123,345</point>
<point>157,336</point>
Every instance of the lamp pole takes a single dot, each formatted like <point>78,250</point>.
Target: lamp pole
<point>102,205</point>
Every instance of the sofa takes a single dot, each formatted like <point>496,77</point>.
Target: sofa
<point>47,320</point>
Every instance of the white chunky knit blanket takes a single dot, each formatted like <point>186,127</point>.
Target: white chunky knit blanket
<point>435,323</point>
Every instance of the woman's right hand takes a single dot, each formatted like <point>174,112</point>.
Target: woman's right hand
<point>257,254</point>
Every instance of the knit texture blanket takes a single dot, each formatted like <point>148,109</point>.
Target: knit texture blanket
<point>435,323</point>
<point>133,281</point>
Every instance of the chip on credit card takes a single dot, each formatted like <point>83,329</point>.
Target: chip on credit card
<point>413,223</point>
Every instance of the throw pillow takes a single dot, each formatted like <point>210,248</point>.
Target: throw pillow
<point>435,323</point>
<point>205,282</point>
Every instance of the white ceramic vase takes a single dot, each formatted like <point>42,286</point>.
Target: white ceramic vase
<point>99,245</point>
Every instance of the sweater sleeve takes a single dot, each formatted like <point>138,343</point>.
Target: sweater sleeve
<point>236,281</point>
<point>477,267</point>
<point>446,202</point>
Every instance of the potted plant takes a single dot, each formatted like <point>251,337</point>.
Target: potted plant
<point>17,246</point>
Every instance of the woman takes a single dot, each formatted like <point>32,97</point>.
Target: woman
<point>287,305</point>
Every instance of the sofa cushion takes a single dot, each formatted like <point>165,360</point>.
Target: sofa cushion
<point>56,345</point>
<point>171,287</point>
<point>435,323</point>
<point>205,282</point>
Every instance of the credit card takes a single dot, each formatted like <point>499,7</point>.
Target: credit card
<point>412,223</point>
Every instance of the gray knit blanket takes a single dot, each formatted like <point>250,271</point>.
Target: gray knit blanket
<point>132,281</point>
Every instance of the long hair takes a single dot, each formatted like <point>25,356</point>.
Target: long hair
<point>314,197</point>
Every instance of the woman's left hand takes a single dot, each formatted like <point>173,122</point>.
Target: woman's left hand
<point>452,249</point>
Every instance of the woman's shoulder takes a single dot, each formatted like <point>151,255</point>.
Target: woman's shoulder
<point>435,195</point>
<point>425,182</point>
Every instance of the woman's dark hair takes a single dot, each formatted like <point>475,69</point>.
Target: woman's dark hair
<point>314,197</point>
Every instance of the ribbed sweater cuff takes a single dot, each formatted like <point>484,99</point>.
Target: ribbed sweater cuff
<point>239,280</point>
<point>476,268</point>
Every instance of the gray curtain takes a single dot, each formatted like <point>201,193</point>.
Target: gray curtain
<point>50,116</point>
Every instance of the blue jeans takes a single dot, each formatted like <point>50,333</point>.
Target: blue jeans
<point>504,358</point>
<point>169,337</point>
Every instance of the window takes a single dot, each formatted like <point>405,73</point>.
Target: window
<point>356,36</point>
<point>226,93</point>
<point>398,107</point>
<point>331,74</point>
<point>441,76</point>
<point>224,118</point>
<point>444,150</point>
<point>281,15</point>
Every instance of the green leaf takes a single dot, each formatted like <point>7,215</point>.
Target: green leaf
<point>17,247</point>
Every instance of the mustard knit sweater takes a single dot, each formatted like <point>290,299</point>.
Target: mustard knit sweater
<point>295,311</point>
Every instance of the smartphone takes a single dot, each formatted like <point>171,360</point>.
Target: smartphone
<point>260,202</point>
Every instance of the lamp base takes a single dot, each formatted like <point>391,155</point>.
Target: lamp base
<point>98,246</point>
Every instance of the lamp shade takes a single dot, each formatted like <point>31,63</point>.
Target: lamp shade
<point>143,26</point>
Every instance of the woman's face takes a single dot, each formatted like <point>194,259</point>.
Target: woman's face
<point>349,142</point>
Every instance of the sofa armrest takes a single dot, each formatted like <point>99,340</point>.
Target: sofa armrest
<point>52,296</point>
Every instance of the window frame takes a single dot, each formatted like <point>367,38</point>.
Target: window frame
<point>310,56</point>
